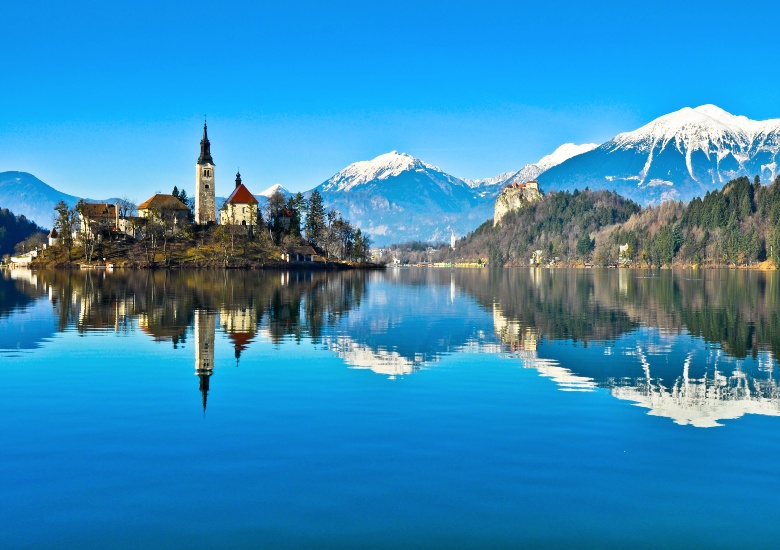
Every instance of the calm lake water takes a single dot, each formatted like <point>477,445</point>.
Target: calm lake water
<point>406,408</point>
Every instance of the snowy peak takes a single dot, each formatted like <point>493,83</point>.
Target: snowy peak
<point>564,153</point>
<point>380,168</point>
<point>531,171</point>
<point>276,187</point>
<point>677,156</point>
<point>697,129</point>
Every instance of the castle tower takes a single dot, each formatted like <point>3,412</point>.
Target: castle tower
<point>205,327</point>
<point>205,202</point>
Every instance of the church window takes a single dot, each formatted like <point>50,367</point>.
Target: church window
<point>206,186</point>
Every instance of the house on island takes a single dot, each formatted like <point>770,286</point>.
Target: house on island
<point>95,219</point>
<point>54,237</point>
<point>240,208</point>
<point>299,254</point>
<point>165,208</point>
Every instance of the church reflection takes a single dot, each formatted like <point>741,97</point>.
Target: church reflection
<point>205,331</point>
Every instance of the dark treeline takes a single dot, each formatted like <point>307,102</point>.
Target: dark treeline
<point>735,226</point>
<point>18,234</point>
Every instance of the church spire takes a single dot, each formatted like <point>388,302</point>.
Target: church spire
<point>204,389</point>
<point>205,147</point>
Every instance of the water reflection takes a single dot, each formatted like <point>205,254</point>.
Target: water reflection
<point>697,347</point>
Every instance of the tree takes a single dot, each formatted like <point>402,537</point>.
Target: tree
<point>297,206</point>
<point>314,226</point>
<point>584,245</point>
<point>274,212</point>
<point>65,222</point>
<point>361,247</point>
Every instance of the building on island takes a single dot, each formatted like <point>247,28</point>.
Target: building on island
<point>54,237</point>
<point>240,208</point>
<point>96,218</point>
<point>299,254</point>
<point>205,198</point>
<point>165,208</point>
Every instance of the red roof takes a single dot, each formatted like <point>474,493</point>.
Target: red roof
<point>241,195</point>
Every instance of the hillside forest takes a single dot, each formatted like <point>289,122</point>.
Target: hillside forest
<point>734,226</point>
<point>18,234</point>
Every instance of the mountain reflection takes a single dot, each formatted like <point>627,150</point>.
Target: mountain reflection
<point>697,347</point>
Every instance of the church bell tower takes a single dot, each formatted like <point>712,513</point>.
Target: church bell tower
<point>205,202</point>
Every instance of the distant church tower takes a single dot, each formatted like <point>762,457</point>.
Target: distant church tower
<point>205,203</point>
<point>205,327</point>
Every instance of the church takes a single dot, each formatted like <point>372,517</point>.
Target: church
<point>240,208</point>
<point>205,197</point>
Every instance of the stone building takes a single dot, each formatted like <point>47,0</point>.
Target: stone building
<point>96,218</point>
<point>205,197</point>
<point>165,208</point>
<point>240,208</point>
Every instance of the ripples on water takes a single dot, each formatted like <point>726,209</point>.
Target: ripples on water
<point>416,407</point>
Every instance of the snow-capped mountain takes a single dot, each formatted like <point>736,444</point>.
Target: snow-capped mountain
<point>271,190</point>
<point>677,156</point>
<point>532,171</point>
<point>397,197</point>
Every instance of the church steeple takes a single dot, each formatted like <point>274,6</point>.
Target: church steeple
<point>238,178</point>
<point>205,196</point>
<point>205,148</point>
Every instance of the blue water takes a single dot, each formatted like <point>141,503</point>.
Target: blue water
<point>409,408</point>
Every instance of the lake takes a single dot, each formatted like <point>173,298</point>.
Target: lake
<point>405,408</point>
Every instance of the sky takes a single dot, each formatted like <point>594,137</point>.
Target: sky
<point>108,98</point>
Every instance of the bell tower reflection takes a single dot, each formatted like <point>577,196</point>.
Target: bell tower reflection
<point>205,328</point>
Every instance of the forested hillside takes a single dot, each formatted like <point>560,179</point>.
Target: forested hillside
<point>736,226</point>
<point>560,225</point>
<point>17,229</point>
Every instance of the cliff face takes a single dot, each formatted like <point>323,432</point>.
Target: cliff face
<point>515,197</point>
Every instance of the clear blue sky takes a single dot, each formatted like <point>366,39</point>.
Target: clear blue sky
<point>107,98</point>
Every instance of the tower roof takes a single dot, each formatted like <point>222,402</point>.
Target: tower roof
<point>205,148</point>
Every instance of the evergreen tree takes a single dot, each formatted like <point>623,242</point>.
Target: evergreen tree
<point>315,220</point>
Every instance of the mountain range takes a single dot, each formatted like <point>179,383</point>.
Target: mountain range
<point>677,156</point>
<point>396,197</point>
